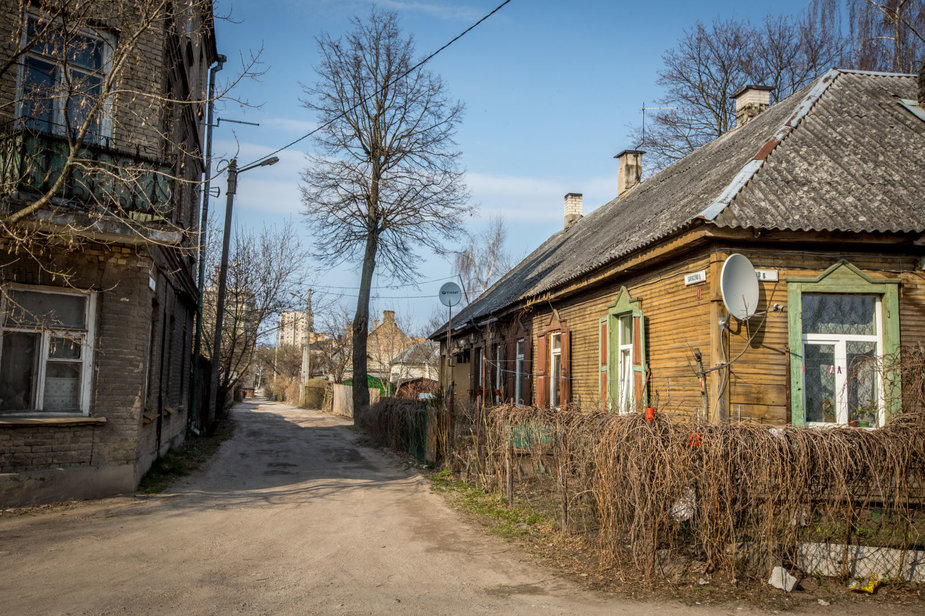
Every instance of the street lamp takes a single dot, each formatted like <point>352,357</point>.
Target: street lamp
<point>233,172</point>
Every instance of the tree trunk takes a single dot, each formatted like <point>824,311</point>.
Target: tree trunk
<point>361,326</point>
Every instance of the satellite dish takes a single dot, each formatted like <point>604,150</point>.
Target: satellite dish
<point>450,294</point>
<point>739,286</point>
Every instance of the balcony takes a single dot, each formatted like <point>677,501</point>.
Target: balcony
<point>103,180</point>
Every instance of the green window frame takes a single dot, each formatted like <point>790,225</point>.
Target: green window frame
<point>626,307</point>
<point>843,278</point>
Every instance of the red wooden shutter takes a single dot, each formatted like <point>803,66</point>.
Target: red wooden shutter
<point>565,382</point>
<point>526,385</point>
<point>540,371</point>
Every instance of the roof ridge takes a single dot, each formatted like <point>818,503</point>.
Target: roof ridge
<point>752,167</point>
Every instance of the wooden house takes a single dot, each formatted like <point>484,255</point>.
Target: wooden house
<point>823,192</point>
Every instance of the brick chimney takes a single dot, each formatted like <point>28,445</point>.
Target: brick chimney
<point>630,171</point>
<point>750,101</point>
<point>388,316</point>
<point>572,209</point>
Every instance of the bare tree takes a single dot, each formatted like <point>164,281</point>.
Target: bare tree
<point>484,260</point>
<point>888,36</point>
<point>336,324</point>
<point>264,279</point>
<point>388,178</point>
<point>710,63</point>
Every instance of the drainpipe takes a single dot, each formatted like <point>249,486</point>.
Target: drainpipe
<point>203,222</point>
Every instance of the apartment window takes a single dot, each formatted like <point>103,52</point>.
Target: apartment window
<point>555,368</point>
<point>62,77</point>
<point>519,372</point>
<point>46,351</point>
<point>842,324</point>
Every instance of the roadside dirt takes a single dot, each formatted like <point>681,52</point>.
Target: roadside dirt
<point>292,516</point>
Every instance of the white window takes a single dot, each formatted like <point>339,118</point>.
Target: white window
<point>555,368</point>
<point>61,79</point>
<point>625,363</point>
<point>841,346</point>
<point>497,374</point>
<point>518,372</point>
<point>46,351</point>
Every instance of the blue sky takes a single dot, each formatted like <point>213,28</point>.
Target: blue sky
<point>552,90</point>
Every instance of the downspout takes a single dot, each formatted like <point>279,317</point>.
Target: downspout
<point>160,381</point>
<point>203,222</point>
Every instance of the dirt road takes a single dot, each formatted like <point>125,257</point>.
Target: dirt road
<point>292,516</point>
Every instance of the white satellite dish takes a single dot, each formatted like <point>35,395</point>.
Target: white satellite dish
<point>739,286</point>
<point>450,294</point>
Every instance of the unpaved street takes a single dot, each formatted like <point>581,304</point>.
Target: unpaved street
<point>292,516</point>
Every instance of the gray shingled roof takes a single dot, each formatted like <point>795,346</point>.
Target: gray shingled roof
<point>840,155</point>
<point>418,353</point>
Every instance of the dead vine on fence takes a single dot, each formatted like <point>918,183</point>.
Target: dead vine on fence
<point>670,494</point>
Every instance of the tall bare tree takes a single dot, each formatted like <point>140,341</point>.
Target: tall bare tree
<point>888,36</point>
<point>388,177</point>
<point>710,63</point>
<point>484,259</point>
<point>264,278</point>
<point>784,52</point>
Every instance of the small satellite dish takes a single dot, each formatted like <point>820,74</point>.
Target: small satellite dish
<point>739,286</point>
<point>450,294</point>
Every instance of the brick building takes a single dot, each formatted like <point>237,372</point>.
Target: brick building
<point>102,133</point>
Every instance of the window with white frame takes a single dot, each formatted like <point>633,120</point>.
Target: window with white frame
<point>46,351</point>
<point>842,336</point>
<point>625,402</point>
<point>498,373</point>
<point>555,368</point>
<point>518,372</point>
<point>62,78</point>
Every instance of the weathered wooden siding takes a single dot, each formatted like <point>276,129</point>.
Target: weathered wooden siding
<point>675,325</point>
<point>759,382</point>
<point>679,319</point>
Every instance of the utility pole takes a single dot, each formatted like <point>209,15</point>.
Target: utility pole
<point>308,325</point>
<point>233,172</point>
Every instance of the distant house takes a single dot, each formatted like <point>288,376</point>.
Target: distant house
<point>824,193</point>
<point>420,361</point>
<point>385,341</point>
<point>98,310</point>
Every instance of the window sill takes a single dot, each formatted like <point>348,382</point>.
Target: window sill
<point>50,422</point>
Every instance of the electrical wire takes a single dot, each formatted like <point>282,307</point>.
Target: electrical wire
<point>388,85</point>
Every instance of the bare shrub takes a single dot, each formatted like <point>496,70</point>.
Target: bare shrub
<point>668,495</point>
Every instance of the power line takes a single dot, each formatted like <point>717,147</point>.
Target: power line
<point>389,84</point>
<point>388,286</point>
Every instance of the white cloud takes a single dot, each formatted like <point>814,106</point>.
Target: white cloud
<point>290,125</point>
<point>531,199</point>
<point>434,9</point>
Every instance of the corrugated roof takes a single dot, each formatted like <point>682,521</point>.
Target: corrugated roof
<point>840,155</point>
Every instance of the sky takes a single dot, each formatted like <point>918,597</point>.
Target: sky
<point>552,91</point>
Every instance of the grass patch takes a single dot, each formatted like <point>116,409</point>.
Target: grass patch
<point>510,521</point>
<point>182,461</point>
